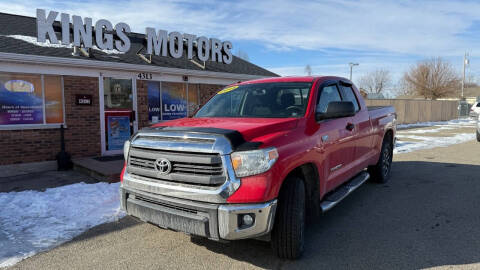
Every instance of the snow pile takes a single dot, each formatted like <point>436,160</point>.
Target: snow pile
<point>429,142</point>
<point>423,131</point>
<point>33,40</point>
<point>32,221</point>
<point>462,122</point>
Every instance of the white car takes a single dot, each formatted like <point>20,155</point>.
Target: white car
<point>475,109</point>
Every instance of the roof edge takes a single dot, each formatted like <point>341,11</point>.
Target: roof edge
<point>61,61</point>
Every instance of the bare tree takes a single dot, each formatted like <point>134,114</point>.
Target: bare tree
<point>433,78</point>
<point>470,81</point>
<point>401,88</point>
<point>243,54</point>
<point>308,70</point>
<point>375,81</point>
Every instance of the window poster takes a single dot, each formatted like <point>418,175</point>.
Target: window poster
<point>118,131</point>
<point>153,89</point>
<point>174,101</point>
<point>21,99</point>
<point>53,99</point>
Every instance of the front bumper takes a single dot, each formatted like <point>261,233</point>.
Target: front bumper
<point>211,220</point>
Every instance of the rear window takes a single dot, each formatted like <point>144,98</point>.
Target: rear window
<point>348,95</point>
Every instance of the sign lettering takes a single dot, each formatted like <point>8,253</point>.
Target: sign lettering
<point>158,42</point>
<point>83,99</point>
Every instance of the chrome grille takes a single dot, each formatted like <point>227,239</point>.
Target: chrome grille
<point>187,167</point>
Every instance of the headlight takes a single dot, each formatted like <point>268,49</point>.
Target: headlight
<point>253,162</point>
<point>126,148</point>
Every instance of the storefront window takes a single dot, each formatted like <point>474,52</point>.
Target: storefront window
<point>193,99</point>
<point>168,101</point>
<point>23,101</point>
<point>174,100</point>
<point>154,104</point>
<point>53,99</point>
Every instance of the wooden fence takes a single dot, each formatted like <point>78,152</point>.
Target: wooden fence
<point>413,111</point>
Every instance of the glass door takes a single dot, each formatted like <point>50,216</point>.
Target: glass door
<point>119,114</point>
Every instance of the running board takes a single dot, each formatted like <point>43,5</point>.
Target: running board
<point>343,191</point>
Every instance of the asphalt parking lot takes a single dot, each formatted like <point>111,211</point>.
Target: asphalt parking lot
<point>427,216</point>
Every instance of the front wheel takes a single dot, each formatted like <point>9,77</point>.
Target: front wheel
<point>478,136</point>
<point>380,172</point>
<point>288,235</point>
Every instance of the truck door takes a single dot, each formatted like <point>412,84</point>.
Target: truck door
<point>362,127</point>
<point>335,139</point>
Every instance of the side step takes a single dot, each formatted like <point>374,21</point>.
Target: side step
<point>343,191</point>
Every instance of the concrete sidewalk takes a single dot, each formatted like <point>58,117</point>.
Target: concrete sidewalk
<point>38,176</point>
<point>107,170</point>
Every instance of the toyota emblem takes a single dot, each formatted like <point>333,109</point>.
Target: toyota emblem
<point>163,166</point>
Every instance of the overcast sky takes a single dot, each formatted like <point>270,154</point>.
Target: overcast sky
<point>285,36</point>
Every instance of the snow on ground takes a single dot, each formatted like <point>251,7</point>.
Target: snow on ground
<point>32,221</point>
<point>429,142</point>
<point>409,140</point>
<point>462,122</point>
<point>423,131</point>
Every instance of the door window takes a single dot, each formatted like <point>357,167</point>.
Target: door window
<point>328,94</point>
<point>118,110</point>
<point>348,95</point>
<point>118,93</point>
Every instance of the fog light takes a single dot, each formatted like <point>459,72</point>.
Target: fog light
<point>246,220</point>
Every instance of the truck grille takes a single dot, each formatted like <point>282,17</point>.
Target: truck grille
<point>186,167</point>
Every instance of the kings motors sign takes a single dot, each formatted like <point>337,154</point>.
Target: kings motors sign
<point>107,37</point>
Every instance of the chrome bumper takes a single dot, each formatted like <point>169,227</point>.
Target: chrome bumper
<point>228,215</point>
<point>214,221</point>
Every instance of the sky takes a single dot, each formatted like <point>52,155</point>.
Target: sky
<point>285,36</point>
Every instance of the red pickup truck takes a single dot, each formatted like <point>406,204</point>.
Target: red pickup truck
<point>258,158</point>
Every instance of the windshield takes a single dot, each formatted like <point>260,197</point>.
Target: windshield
<point>262,100</point>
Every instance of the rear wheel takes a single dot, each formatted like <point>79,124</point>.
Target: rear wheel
<point>478,136</point>
<point>288,235</point>
<point>380,172</point>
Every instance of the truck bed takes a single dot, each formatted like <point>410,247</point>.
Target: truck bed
<point>373,108</point>
<point>380,112</point>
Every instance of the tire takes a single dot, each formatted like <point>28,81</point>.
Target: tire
<point>478,136</point>
<point>380,172</point>
<point>288,235</point>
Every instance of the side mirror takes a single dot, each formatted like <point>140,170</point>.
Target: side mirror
<point>337,109</point>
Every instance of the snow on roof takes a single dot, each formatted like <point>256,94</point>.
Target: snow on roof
<point>33,40</point>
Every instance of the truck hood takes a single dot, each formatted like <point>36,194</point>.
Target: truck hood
<point>250,128</point>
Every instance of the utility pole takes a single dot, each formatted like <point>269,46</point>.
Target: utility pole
<point>351,68</point>
<point>466,61</point>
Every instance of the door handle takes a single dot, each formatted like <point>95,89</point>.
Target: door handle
<point>350,126</point>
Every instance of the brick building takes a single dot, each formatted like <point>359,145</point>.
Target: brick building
<point>100,96</point>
